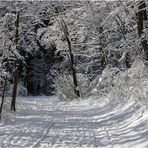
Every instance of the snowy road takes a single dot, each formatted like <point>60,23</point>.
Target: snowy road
<point>44,122</point>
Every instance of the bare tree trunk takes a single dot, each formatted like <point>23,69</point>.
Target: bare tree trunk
<point>141,17</point>
<point>102,50</point>
<point>103,61</point>
<point>127,64</point>
<point>16,66</point>
<point>73,69</point>
<point>75,81</point>
<point>29,77</point>
<point>3,96</point>
<point>13,102</point>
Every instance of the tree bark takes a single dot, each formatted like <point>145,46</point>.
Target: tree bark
<point>3,96</point>
<point>16,66</point>
<point>15,82</point>
<point>102,50</point>
<point>29,77</point>
<point>127,59</point>
<point>73,70</point>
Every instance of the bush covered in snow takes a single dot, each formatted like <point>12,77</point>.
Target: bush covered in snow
<point>132,83</point>
<point>114,83</point>
<point>123,85</point>
<point>64,87</point>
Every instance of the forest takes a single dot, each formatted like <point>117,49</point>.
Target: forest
<point>71,70</point>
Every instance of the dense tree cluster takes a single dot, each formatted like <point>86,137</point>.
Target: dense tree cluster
<point>49,47</point>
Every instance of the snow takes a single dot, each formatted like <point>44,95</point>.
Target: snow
<point>90,122</point>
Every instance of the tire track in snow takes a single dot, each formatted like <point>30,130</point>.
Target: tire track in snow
<point>43,136</point>
<point>66,127</point>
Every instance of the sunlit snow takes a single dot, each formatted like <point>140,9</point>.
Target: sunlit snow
<point>94,122</point>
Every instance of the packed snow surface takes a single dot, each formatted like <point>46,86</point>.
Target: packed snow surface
<point>93,122</point>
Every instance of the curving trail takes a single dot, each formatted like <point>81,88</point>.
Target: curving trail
<point>45,122</point>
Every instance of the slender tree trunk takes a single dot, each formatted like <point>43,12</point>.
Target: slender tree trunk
<point>141,18</point>
<point>29,77</point>
<point>15,79</point>
<point>3,96</point>
<point>16,66</point>
<point>127,59</point>
<point>73,70</point>
<point>102,50</point>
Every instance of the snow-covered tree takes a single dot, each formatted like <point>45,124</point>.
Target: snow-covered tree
<point>142,21</point>
<point>17,37</point>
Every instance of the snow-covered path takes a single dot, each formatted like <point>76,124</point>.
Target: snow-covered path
<point>44,122</point>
